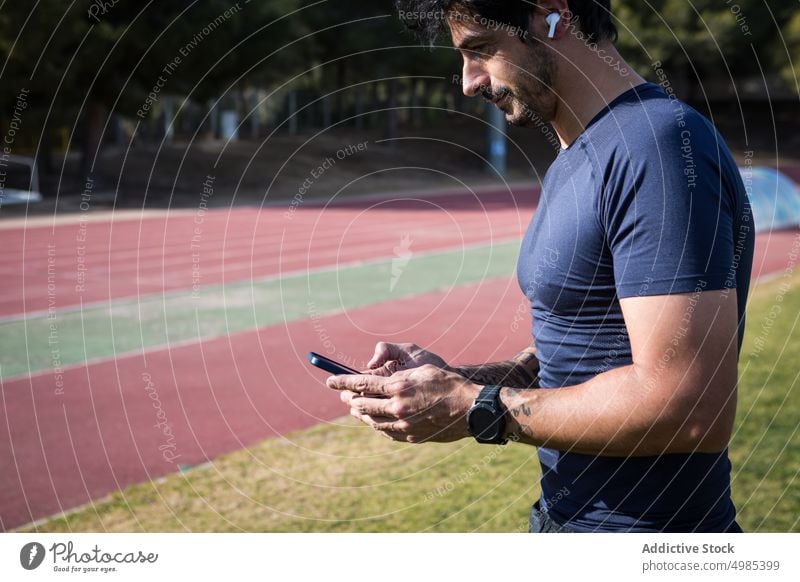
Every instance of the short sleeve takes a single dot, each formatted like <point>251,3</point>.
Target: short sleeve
<point>668,212</point>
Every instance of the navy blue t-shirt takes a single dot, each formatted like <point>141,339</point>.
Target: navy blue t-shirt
<point>647,201</point>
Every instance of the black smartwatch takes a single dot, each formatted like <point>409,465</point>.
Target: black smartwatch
<point>486,419</point>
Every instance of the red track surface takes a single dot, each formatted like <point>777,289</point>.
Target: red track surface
<point>218,396</point>
<point>156,254</point>
<point>774,251</point>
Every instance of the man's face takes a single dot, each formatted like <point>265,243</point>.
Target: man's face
<point>517,77</point>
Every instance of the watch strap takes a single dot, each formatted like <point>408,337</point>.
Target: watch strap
<point>489,394</point>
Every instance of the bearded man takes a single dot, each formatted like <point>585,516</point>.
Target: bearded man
<point>636,264</point>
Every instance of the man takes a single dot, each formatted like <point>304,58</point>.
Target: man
<point>636,264</point>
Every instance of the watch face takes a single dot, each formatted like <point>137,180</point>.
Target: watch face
<point>483,424</point>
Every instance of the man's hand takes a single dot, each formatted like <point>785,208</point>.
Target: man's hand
<point>425,403</point>
<point>390,358</point>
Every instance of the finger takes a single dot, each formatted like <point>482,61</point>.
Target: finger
<point>385,351</point>
<point>347,395</point>
<point>382,423</point>
<point>373,406</point>
<point>395,436</point>
<point>380,371</point>
<point>374,421</point>
<point>353,382</point>
<point>386,369</point>
<point>362,383</point>
<point>371,421</point>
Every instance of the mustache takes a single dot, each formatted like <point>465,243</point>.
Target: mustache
<point>494,95</point>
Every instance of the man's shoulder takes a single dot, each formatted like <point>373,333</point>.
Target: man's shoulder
<point>672,120</point>
<point>652,130</point>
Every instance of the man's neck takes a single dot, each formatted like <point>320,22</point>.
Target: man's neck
<point>583,96</point>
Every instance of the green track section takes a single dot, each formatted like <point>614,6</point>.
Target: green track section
<point>32,344</point>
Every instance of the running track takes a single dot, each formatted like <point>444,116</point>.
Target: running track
<point>101,434</point>
<point>102,261</point>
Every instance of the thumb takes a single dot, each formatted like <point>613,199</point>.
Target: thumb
<point>383,352</point>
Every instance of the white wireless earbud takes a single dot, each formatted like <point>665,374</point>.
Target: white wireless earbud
<point>552,19</point>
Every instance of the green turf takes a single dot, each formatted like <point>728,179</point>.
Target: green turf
<point>765,450</point>
<point>339,476</point>
<point>29,345</point>
<point>330,478</point>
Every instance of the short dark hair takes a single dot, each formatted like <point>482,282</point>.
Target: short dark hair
<point>427,18</point>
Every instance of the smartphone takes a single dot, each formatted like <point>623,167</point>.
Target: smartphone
<point>329,365</point>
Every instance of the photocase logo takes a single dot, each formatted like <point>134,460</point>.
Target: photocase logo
<point>100,7</point>
<point>402,255</point>
<point>31,555</point>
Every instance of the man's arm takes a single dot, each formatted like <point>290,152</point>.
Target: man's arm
<point>521,371</point>
<point>678,396</point>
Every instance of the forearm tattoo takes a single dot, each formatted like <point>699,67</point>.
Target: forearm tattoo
<point>521,371</point>
<point>519,409</point>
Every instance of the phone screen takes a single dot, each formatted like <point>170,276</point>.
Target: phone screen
<point>329,365</point>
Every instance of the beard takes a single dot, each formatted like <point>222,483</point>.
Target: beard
<point>529,97</point>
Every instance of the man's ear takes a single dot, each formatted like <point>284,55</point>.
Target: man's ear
<point>565,23</point>
<point>533,21</point>
<point>567,17</point>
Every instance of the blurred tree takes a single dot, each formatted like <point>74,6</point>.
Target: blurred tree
<point>791,66</point>
<point>372,54</point>
<point>702,39</point>
<point>85,60</point>
<point>351,44</point>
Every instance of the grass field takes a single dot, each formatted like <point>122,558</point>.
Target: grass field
<point>340,477</point>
